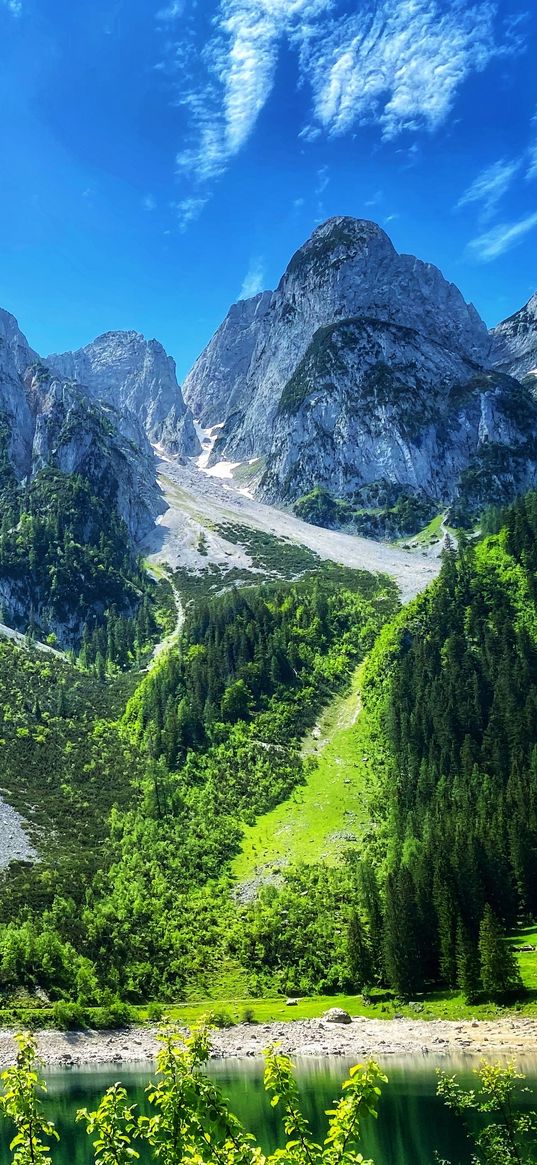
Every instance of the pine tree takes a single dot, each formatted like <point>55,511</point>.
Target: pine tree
<point>401,953</point>
<point>467,957</point>
<point>359,954</point>
<point>499,969</point>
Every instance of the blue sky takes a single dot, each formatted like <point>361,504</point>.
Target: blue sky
<point>161,159</point>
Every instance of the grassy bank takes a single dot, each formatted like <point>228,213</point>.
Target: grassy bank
<point>438,1005</point>
<point>225,1012</point>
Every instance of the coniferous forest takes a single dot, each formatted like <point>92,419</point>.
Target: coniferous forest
<point>138,786</point>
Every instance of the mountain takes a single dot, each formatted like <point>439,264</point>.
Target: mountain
<point>515,341</point>
<point>366,377</point>
<point>130,372</point>
<point>78,491</point>
<point>50,421</point>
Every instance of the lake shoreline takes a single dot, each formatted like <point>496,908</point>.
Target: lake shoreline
<point>504,1038</point>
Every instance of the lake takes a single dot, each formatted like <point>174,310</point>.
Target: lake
<point>412,1125</point>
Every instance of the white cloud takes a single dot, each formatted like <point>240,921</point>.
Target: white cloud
<point>489,187</point>
<point>398,62</point>
<point>13,6</point>
<point>501,238</point>
<point>532,167</point>
<point>189,209</point>
<point>240,66</point>
<point>323,180</point>
<point>395,63</point>
<point>375,199</point>
<point>172,11</point>
<point>254,280</point>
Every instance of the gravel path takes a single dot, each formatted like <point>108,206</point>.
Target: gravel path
<point>14,843</point>
<point>359,1040</point>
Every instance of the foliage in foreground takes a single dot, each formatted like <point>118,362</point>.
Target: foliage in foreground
<point>189,1121</point>
<point>502,1135</point>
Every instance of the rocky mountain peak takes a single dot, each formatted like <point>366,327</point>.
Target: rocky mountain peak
<point>15,351</point>
<point>130,372</point>
<point>341,238</point>
<point>366,370</point>
<point>49,419</point>
<point>347,269</point>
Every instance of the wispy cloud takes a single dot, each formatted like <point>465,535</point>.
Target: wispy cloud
<point>395,63</point>
<point>531,171</point>
<point>13,6</point>
<point>489,187</point>
<point>501,238</point>
<point>254,280</point>
<point>171,11</point>
<point>399,63</point>
<point>189,209</point>
<point>240,65</point>
<point>532,168</point>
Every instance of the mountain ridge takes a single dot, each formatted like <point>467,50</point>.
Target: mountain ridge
<point>447,431</point>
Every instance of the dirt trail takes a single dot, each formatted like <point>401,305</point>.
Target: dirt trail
<point>170,639</point>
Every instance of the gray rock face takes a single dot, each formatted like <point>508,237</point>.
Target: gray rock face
<point>129,372</point>
<point>365,366</point>
<point>372,402</point>
<point>348,268</point>
<point>51,421</point>
<point>216,384</point>
<point>15,357</point>
<point>515,341</point>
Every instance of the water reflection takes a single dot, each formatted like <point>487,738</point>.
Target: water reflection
<point>413,1123</point>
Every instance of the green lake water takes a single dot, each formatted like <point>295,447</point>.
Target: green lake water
<point>412,1124</point>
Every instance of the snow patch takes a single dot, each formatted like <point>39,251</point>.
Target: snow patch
<point>207,439</point>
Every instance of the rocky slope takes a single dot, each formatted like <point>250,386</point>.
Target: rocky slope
<point>365,374</point>
<point>49,420</point>
<point>515,341</point>
<point>129,372</point>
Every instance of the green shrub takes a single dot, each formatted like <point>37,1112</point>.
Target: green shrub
<point>221,1019</point>
<point>68,1016</point>
<point>155,1012</point>
<point>114,1015</point>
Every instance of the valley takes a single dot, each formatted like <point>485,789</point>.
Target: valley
<point>258,755</point>
<point>268,583</point>
<point>200,506</point>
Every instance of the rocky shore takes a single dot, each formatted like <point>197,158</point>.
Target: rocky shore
<point>511,1038</point>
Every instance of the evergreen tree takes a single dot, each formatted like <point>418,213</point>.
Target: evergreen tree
<point>467,958</point>
<point>359,954</point>
<point>401,954</point>
<point>499,969</point>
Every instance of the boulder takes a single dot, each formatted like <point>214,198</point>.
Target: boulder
<point>337,1015</point>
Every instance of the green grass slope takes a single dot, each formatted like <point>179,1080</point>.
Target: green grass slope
<point>326,814</point>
